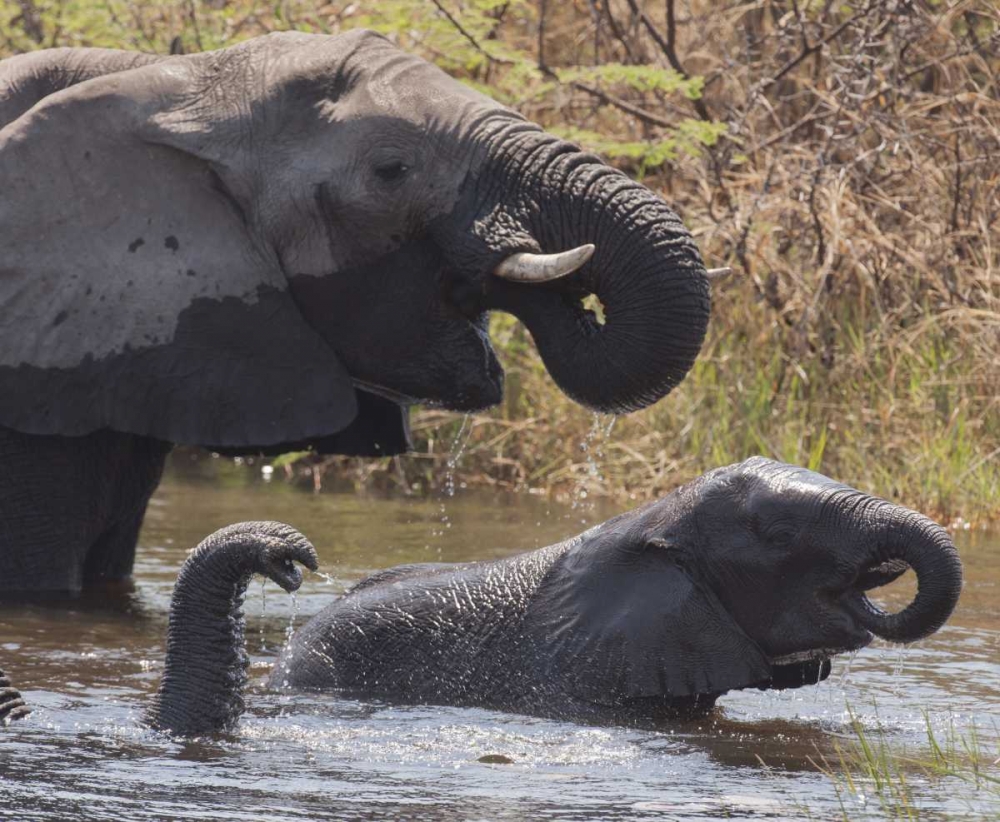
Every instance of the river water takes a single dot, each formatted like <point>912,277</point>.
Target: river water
<point>89,669</point>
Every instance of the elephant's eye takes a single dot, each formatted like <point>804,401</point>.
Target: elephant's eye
<point>391,172</point>
<point>782,536</point>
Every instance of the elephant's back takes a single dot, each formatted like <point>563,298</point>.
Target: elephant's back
<point>400,573</point>
<point>419,633</point>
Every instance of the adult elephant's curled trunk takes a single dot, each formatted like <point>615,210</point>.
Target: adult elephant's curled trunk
<point>623,244</point>
<point>901,536</point>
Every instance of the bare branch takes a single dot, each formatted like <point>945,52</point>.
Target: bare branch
<point>808,50</point>
<point>468,35</point>
<point>668,47</point>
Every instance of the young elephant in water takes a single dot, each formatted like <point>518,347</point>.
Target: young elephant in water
<point>753,575</point>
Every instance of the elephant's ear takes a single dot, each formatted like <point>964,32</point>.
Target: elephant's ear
<point>134,293</point>
<point>627,621</point>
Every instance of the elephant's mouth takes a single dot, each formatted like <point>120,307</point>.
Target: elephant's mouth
<point>798,674</point>
<point>386,393</point>
<point>874,576</point>
<point>813,655</point>
<point>482,381</point>
<point>806,665</point>
<point>880,574</point>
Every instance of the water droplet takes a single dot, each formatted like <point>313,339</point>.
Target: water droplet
<point>455,451</point>
<point>263,609</point>
<point>592,448</point>
<point>290,629</point>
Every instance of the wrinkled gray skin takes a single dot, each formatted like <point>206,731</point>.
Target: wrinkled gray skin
<point>753,575</point>
<point>12,706</point>
<point>280,244</point>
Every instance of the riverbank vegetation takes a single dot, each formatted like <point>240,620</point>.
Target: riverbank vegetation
<point>843,159</point>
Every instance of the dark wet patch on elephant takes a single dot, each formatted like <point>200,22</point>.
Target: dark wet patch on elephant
<point>234,374</point>
<point>172,243</point>
<point>60,318</point>
<point>134,245</point>
<point>381,429</point>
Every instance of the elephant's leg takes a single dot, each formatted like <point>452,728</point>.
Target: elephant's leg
<point>70,507</point>
<point>112,555</point>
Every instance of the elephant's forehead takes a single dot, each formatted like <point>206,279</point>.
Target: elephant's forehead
<point>414,90</point>
<point>785,479</point>
<point>377,77</point>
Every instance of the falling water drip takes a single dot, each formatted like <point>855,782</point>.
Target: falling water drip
<point>290,629</point>
<point>897,672</point>
<point>263,608</point>
<point>593,451</point>
<point>458,446</point>
<point>455,452</point>
<point>845,673</point>
<point>327,578</point>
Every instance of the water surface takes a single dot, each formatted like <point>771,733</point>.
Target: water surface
<point>89,669</point>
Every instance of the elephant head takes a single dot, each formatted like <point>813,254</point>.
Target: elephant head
<point>752,575</point>
<point>282,239</point>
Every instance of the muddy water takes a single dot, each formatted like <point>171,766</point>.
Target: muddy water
<point>89,669</point>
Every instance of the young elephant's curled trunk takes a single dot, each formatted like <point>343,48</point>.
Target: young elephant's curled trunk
<point>901,539</point>
<point>206,665</point>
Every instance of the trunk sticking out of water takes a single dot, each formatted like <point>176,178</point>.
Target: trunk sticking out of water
<point>206,666</point>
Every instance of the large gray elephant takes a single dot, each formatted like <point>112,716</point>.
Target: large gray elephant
<point>285,244</point>
<point>752,576</point>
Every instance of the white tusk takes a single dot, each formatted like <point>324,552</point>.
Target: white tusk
<point>718,273</point>
<point>524,267</point>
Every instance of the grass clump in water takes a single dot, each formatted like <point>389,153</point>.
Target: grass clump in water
<point>874,777</point>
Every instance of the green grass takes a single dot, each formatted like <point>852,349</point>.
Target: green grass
<point>874,777</point>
